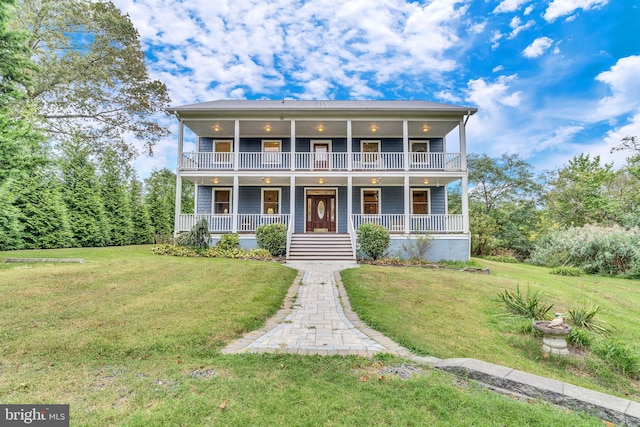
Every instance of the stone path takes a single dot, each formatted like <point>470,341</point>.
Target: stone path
<point>316,318</point>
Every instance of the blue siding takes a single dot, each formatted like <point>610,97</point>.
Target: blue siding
<point>254,145</point>
<point>387,145</point>
<point>204,200</point>
<point>342,225</point>
<point>392,200</point>
<point>300,219</point>
<point>338,145</point>
<point>249,199</point>
<point>438,200</point>
<point>436,145</point>
<point>205,145</point>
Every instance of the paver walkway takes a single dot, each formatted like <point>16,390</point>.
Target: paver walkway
<point>313,320</point>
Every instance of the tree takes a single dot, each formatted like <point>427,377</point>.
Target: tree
<point>502,204</point>
<point>10,220</point>
<point>113,188</point>
<point>578,193</point>
<point>42,212</point>
<point>91,79</point>
<point>160,198</point>
<point>81,194</point>
<point>142,229</point>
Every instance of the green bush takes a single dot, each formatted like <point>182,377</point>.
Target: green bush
<point>229,241</point>
<point>373,240</point>
<point>620,356</point>
<point>580,338</point>
<point>273,237</point>
<point>584,317</point>
<point>529,306</point>
<point>609,251</point>
<point>567,271</point>
<point>197,237</point>
<point>417,247</point>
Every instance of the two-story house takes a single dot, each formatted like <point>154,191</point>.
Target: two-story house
<point>322,168</point>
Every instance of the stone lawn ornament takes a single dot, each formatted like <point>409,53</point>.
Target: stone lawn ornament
<point>554,335</point>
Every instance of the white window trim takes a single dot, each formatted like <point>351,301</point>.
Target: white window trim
<point>370,141</point>
<point>266,141</point>
<point>230,141</point>
<point>269,156</point>
<point>213,199</point>
<point>420,141</point>
<point>262,190</point>
<point>362,190</point>
<point>428,190</point>
<point>328,142</point>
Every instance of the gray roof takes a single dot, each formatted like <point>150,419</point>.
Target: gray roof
<point>288,105</point>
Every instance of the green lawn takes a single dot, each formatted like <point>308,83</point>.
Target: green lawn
<point>130,338</point>
<point>447,313</point>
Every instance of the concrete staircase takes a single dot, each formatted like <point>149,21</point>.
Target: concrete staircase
<point>320,247</point>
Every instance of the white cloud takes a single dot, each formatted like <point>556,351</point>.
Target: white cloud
<point>528,10</point>
<point>623,81</point>
<point>559,8</point>
<point>538,47</point>
<point>517,26</point>
<point>509,6</point>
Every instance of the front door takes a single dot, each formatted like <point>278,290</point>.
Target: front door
<point>321,213</point>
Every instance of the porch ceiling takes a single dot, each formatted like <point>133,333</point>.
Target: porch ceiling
<point>321,128</point>
<point>370,180</point>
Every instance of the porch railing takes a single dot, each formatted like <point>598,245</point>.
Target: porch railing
<point>320,161</point>
<point>223,223</point>
<point>419,224</point>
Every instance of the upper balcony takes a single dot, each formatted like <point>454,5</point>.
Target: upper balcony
<point>249,161</point>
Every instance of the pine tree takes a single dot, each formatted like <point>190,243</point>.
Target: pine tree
<point>114,197</point>
<point>81,194</point>
<point>160,198</point>
<point>142,229</point>
<point>10,224</point>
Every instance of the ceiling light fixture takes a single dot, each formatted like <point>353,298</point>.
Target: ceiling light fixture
<point>320,128</point>
<point>216,180</point>
<point>267,128</point>
<point>267,180</point>
<point>426,181</point>
<point>425,128</point>
<point>216,128</point>
<point>320,181</point>
<point>373,128</point>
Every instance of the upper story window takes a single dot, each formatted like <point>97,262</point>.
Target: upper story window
<point>370,151</point>
<point>271,150</point>
<point>222,146</point>
<point>420,146</point>
<point>371,201</point>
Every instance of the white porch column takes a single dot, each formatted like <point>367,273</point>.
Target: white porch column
<point>349,151</point>
<point>236,146</point>
<point>407,205</point>
<point>463,145</point>
<point>349,198</point>
<point>405,143</point>
<point>176,220</point>
<point>234,209</point>
<point>180,143</point>
<point>293,145</point>
<point>465,203</point>
<point>292,202</point>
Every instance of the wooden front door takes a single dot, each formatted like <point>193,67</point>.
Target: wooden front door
<point>321,213</point>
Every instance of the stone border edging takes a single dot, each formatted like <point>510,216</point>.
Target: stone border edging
<point>608,407</point>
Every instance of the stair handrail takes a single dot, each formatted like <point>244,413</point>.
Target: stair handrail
<point>289,236</point>
<point>352,236</point>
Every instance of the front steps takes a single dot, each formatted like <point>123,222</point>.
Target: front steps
<point>320,247</point>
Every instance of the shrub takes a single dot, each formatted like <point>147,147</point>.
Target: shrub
<point>580,338</point>
<point>620,356</point>
<point>373,240</point>
<point>273,237</point>
<point>596,250</point>
<point>229,241</point>
<point>529,306</point>
<point>567,271</point>
<point>417,247</point>
<point>583,317</point>
<point>197,237</point>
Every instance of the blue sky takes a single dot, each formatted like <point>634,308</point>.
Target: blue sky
<point>551,78</point>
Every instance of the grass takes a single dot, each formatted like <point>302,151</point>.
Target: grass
<point>447,313</point>
<point>130,338</point>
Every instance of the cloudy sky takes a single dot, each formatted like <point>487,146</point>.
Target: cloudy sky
<point>551,78</point>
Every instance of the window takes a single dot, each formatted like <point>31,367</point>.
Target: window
<point>420,146</point>
<point>370,150</point>
<point>420,153</point>
<point>420,202</point>
<point>271,150</point>
<point>271,201</point>
<point>371,201</point>
<point>222,146</point>
<point>221,201</point>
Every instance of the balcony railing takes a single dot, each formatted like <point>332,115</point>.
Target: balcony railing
<point>320,161</point>
<point>223,223</point>
<point>419,224</point>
